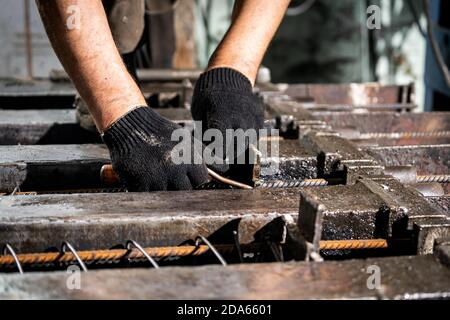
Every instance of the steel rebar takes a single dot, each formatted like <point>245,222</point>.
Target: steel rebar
<point>118,255</point>
<point>294,184</point>
<point>445,178</point>
<point>404,135</point>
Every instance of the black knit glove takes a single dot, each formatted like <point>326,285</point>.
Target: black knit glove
<point>223,99</point>
<point>140,147</point>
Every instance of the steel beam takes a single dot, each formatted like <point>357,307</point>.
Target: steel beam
<point>365,210</point>
<point>95,221</point>
<point>59,126</point>
<point>427,159</point>
<point>51,167</point>
<point>383,208</point>
<point>309,158</point>
<point>405,278</point>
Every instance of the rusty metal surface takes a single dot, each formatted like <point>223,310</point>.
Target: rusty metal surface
<point>11,176</point>
<point>352,94</point>
<point>427,279</point>
<point>429,189</point>
<point>387,121</point>
<point>427,159</point>
<point>338,156</point>
<point>295,163</point>
<point>370,209</point>
<point>441,203</point>
<point>357,210</point>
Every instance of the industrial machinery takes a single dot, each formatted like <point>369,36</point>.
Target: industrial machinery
<point>361,190</point>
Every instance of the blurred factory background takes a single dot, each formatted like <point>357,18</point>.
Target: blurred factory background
<point>320,41</point>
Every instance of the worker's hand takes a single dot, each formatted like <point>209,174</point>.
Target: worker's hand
<point>223,99</point>
<point>141,152</point>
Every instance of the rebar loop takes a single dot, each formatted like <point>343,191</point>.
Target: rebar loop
<point>210,246</point>
<point>8,248</point>
<point>131,243</point>
<point>66,245</point>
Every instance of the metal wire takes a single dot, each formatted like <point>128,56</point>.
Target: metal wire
<point>15,191</point>
<point>276,251</point>
<point>146,255</point>
<point>213,249</point>
<point>67,245</point>
<point>230,182</point>
<point>8,248</point>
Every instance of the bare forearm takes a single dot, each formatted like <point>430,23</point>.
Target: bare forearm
<point>90,57</point>
<point>253,27</point>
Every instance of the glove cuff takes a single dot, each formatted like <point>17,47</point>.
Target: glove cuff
<point>223,77</point>
<point>141,125</point>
